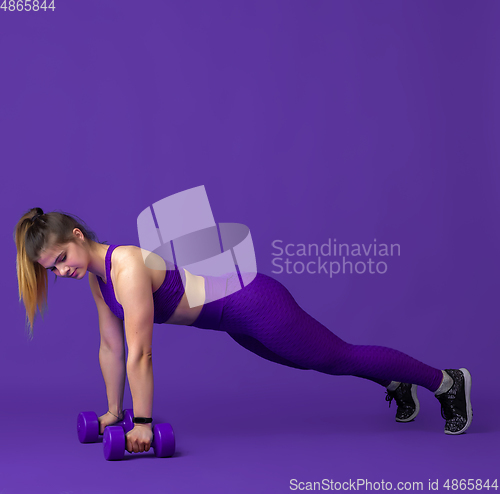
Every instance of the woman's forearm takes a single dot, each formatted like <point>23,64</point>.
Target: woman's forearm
<point>140,379</point>
<point>113,370</point>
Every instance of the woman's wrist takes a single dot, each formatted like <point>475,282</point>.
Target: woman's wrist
<point>144,425</point>
<point>116,413</point>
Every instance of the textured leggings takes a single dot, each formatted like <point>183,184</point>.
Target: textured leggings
<point>264,318</point>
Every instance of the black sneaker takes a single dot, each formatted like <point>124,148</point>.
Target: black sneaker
<point>406,398</point>
<point>456,407</point>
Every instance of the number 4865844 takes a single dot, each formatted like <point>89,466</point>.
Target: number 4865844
<point>27,5</point>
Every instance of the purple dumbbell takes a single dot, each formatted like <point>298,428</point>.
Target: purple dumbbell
<point>114,441</point>
<point>87,425</point>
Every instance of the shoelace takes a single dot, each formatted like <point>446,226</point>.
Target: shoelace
<point>398,396</point>
<point>450,403</point>
<point>389,398</point>
<point>448,408</point>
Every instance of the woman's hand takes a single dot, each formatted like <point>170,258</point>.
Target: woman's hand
<point>108,419</point>
<point>139,439</point>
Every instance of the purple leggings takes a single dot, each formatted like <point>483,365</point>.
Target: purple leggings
<point>264,318</point>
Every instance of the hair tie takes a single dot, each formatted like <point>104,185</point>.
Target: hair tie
<point>35,217</point>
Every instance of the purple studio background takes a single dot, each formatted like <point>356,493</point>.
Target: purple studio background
<point>305,121</point>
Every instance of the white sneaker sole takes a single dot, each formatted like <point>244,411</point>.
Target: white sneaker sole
<point>468,406</point>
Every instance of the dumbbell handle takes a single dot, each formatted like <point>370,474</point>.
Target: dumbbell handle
<point>121,423</point>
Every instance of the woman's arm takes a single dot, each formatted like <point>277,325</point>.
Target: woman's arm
<point>133,285</point>
<point>111,350</point>
<point>140,378</point>
<point>113,371</point>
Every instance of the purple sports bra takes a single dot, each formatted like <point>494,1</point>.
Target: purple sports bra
<point>166,298</point>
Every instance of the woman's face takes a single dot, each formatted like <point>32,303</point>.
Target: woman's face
<point>69,261</point>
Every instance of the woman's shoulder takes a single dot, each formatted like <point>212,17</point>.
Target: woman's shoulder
<point>131,256</point>
<point>127,255</point>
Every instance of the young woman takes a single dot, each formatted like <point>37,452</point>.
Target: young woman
<point>262,317</point>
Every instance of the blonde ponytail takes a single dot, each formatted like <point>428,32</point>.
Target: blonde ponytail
<point>35,232</point>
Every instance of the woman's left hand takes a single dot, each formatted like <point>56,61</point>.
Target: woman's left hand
<point>139,439</point>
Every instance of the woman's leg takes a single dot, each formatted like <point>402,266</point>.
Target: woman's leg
<point>259,349</point>
<point>266,311</point>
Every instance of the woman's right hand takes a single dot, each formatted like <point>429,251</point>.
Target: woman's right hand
<point>108,419</point>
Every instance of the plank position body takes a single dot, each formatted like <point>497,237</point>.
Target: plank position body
<point>132,295</point>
